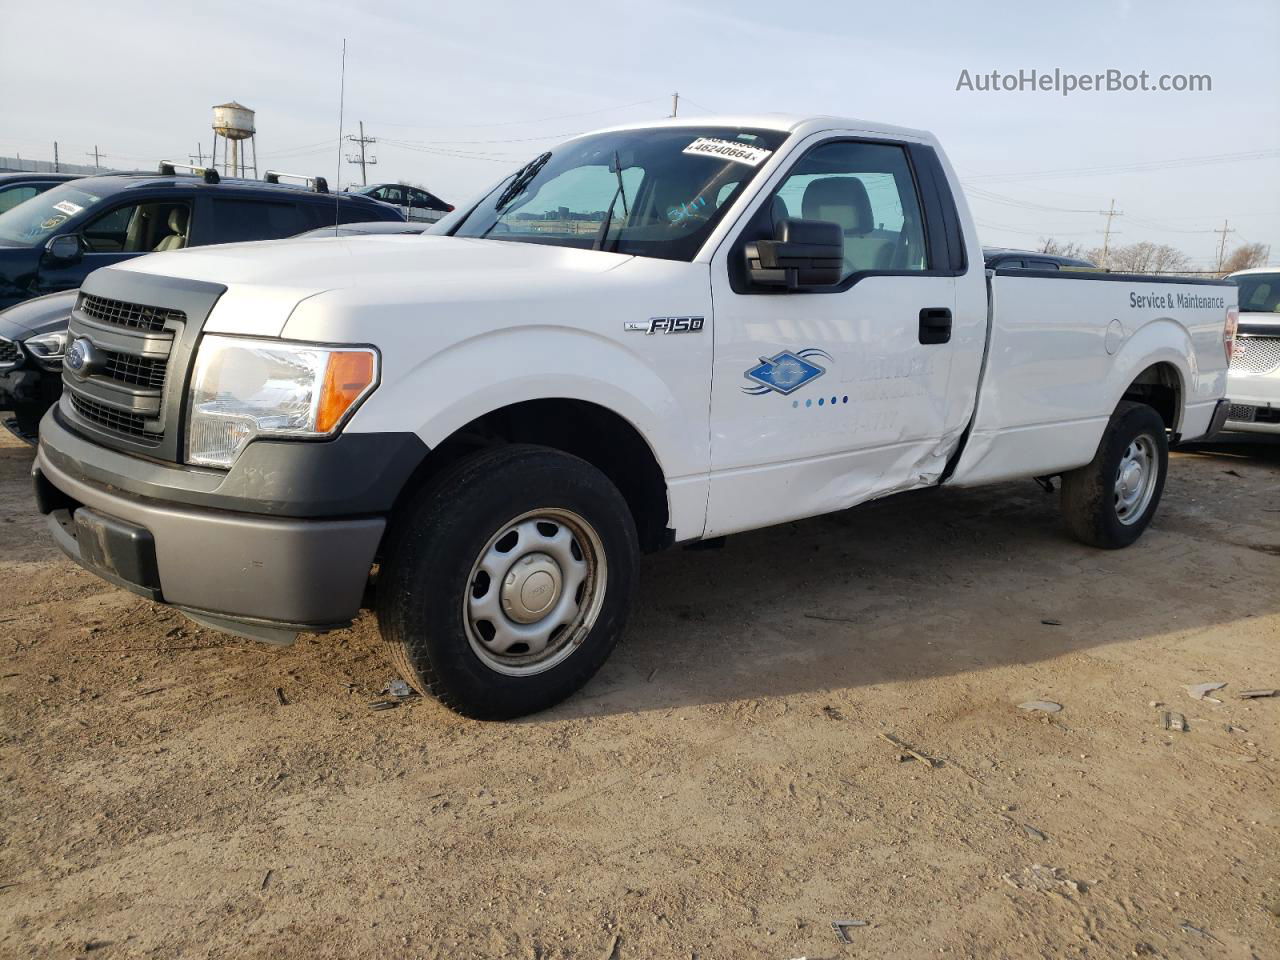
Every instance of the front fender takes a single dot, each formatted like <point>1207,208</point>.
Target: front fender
<point>495,369</point>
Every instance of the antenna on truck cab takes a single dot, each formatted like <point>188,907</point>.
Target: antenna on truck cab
<point>342,95</point>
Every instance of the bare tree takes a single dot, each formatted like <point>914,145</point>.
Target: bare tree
<point>1144,257</point>
<point>1060,248</point>
<point>1245,257</point>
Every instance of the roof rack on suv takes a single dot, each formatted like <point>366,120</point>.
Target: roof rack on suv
<point>169,168</point>
<point>318,184</point>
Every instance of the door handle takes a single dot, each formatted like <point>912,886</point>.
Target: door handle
<point>935,325</point>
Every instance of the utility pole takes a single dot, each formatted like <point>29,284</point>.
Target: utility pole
<point>198,156</point>
<point>56,167</point>
<point>1106,236</point>
<point>94,154</point>
<point>1222,247</point>
<point>675,104</point>
<point>362,160</point>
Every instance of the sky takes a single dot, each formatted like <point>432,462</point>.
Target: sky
<point>458,95</point>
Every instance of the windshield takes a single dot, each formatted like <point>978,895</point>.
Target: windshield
<point>655,192</point>
<point>37,219</point>
<point>1259,292</point>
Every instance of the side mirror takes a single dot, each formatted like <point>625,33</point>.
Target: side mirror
<point>65,248</point>
<point>802,253</point>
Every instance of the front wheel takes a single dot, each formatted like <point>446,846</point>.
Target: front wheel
<point>507,583</point>
<point>1110,501</point>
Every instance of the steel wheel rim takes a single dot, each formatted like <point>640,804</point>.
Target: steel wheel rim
<point>534,592</point>
<point>1136,479</point>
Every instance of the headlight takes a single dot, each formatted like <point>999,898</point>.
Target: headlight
<point>48,348</point>
<point>244,388</point>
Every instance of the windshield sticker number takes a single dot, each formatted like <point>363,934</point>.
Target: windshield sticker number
<point>67,207</point>
<point>728,150</point>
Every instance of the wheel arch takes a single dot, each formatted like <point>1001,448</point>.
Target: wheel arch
<point>1154,367</point>
<point>581,428</point>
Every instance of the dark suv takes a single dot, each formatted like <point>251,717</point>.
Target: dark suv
<point>56,239</point>
<point>50,243</point>
<point>999,258</point>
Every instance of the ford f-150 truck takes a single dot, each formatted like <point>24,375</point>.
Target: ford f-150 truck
<point>647,336</point>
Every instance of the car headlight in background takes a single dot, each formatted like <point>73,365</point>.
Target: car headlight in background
<point>48,348</point>
<point>244,388</point>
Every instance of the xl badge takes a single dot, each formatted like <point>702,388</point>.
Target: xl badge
<point>665,325</point>
<point>785,372</point>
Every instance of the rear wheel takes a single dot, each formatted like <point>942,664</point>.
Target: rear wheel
<point>1109,502</point>
<point>508,582</point>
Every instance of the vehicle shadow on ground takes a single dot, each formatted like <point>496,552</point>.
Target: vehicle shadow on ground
<point>938,583</point>
<point>922,585</point>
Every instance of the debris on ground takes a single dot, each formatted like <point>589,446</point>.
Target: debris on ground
<point>1046,706</point>
<point>1050,622</point>
<point>398,688</point>
<point>383,705</point>
<point>1201,691</point>
<point>910,753</point>
<point>281,697</point>
<point>612,950</point>
<point>1255,694</point>
<point>831,713</point>
<point>1043,878</point>
<point>1175,721</point>
<point>266,878</point>
<point>1032,832</point>
<point>1186,927</point>
<point>842,927</point>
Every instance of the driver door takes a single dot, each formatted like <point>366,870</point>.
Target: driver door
<point>826,397</point>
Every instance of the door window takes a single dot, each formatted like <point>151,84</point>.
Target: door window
<point>868,189</point>
<point>241,220</point>
<point>139,228</point>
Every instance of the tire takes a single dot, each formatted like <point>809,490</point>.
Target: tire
<point>470,638</point>
<point>1104,508</point>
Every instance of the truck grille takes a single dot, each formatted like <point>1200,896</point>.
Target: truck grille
<point>117,421</point>
<point>1256,355</point>
<point>9,352</point>
<point>137,316</point>
<point>132,339</point>
<point>142,371</point>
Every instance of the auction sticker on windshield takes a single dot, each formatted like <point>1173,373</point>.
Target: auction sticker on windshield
<point>67,207</point>
<point>728,150</point>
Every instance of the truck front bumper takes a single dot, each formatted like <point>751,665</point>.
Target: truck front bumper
<point>245,572</point>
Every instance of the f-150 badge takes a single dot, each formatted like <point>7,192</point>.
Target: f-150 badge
<point>665,325</point>
<point>785,372</point>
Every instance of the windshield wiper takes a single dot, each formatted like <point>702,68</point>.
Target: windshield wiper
<point>608,217</point>
<point>520,180</point>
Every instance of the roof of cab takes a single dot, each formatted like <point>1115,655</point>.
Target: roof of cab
<point>799,124</point>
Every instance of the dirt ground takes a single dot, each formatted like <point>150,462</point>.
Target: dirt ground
<point>721,789</point>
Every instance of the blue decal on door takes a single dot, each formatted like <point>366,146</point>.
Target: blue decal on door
<point>785,372</point>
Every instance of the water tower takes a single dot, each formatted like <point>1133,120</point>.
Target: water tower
<point>232,123</point>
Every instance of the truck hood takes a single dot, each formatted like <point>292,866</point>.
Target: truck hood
<point>266,280</point>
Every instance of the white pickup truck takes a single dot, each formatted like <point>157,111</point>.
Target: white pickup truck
<point>647,336</point>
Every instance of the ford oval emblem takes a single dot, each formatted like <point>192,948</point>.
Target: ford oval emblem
<point>77,354</point>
